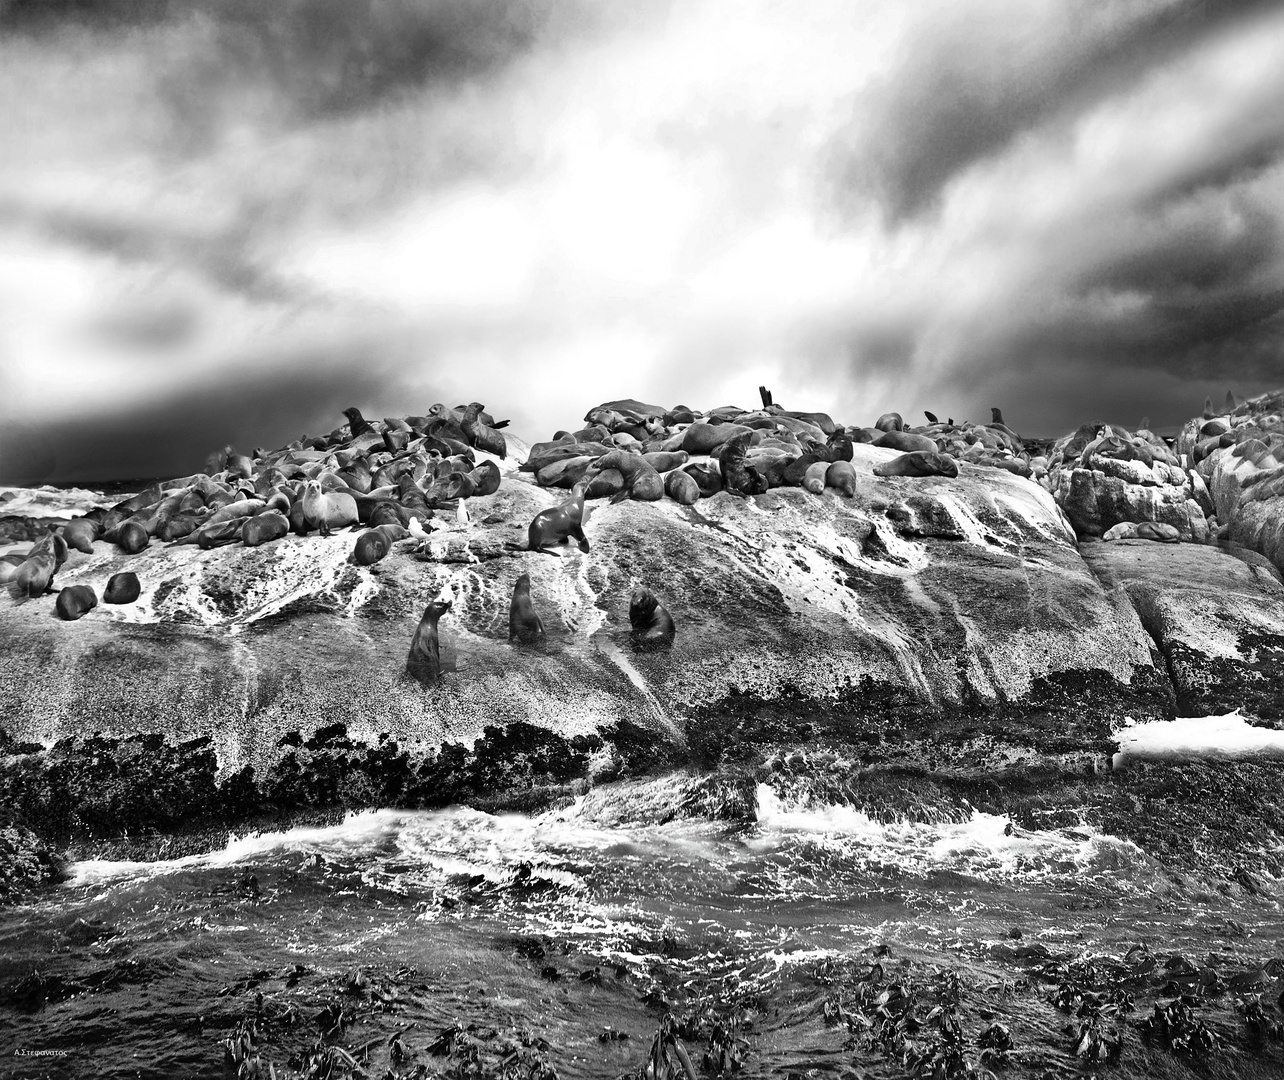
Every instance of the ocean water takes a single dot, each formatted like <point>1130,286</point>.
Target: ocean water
<point>459,943</point>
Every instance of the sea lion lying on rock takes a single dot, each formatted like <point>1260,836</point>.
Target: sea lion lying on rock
<point>1143,530</point>
<point>919,463</point>
<point>74,601</point>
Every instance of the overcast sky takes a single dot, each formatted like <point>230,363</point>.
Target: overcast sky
<point>227,221</point>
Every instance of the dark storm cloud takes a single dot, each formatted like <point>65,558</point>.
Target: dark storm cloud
<point>172,436</point>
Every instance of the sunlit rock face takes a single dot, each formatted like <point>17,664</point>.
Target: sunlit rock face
<point>945,610</point>
<point>1217,620</point>
<point>1240,455</point>
<point>1103,475</point>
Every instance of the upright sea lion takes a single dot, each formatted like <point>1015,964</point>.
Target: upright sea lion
<point>890,421</point>
<point>423,662</point>
<point>357,423</point>
<point>122,588</point>
<point>919,463</point>
<point>36,573</point>
<point>480,434</point>
<point>559,523</point>
<point>326,511</point>
<point>74,601</point>
<point>524,624</point>
<point>737,475</point>
<point>652,624</point>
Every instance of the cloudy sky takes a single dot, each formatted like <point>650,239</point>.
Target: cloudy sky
<point>226,220</point>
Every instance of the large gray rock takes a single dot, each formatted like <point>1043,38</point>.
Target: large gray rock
<point>955,610</point>
<point>1218,621</point>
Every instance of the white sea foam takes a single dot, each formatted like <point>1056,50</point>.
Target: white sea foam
<point>1197,738</point>
<point>986,846</point>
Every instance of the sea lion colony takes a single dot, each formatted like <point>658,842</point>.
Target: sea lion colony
<point>387,479</point>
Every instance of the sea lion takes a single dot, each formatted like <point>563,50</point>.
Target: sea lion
<point>707,477</point>
<point>263,528</point>
<point>704,438</point>
<point>74,601</point>
<point>220,534</point>
<point>842,476</point>
<point>80,534</point>
<point>373,544</point>
<point>524,624</point>
<point>423,662</point>
<point>179,526</point>
<point>1157,530</point>
<point>738,476</point>
<point>681,487</point>
<point>386,512</point>
<point>796,470</point>
<point>814,479</point>
<point>906,442</point>
<point>662,461</point>
<point>652,624</point>
<point>890,421</point>
<point>122,588</point>
<point>326,511</point>
<point>606,484</point>
<point>919,463</point>
<point>131,537</point>
<point>559,523</point>
<point>486,478</point>
<point>357,423</point>
<point>565,472</point>
<point>9,565</point>
<point>480,434</point>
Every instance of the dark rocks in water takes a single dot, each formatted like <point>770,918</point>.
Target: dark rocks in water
<point>27,862</point>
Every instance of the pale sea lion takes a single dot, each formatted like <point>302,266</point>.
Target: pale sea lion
<point>80,534</point>
<point>814,478</point>
<point>605,485</point>
<point>919,463</point>
<point>653,626</point>
<point>524,624</point>
<point>326,511</point>
<point>122,588</point>
<point>74,601</point>
<point>906,442</point>
<point>423,662</point>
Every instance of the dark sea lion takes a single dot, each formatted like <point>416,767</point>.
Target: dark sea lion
<point>839,445</point>
<point>605,485</point>
<point>9,565</point>
<point>665,461</point>
<point>357,423</point>
<point>484,417</point>
<point>647,486</point>
<point>796,470</point>
<point>679,414</point>
<point>35,574</point>
<point>652,624</point>
<point>395,441</point>
<point>565,472</point>
<point>374,544</point>
<point>74,601</point>
<point>122,588</point>
<point>704,438</point>
<point>906,442</point>
<point>919,463</point>
<point>385,512</point>
<point>841,475</point>
<point>681,487</point>
<point>890,421</point>
<point>423,662</point>
<point>486,478</point>
<point>931,417</point>
<point>481,435</point>
<point>131,537</point>
<point>708,478</point>
<point>524,625</point>
<point>737,475</point>
<point>559,523</point>
<point>219,534</point>
<point>263,528</point>
<point>179,526</point>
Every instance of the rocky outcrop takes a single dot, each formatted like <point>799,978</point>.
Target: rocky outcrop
<point>1240,455</point>
<point>1217,620</point>
<point>946,609</point>
<point>1103,475</point>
